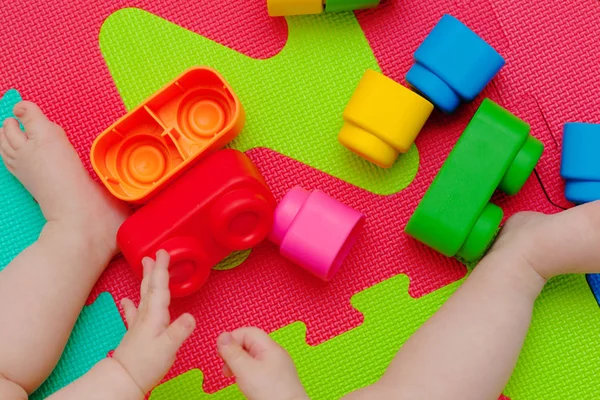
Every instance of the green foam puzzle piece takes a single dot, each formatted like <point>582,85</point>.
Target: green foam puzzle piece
<point>15,233</point>
<point>294,101</point>
<point>560,356</point>
<point>352,360</point>
<point>558,361</point>
<point>98,330</point>
<point>455,216</point>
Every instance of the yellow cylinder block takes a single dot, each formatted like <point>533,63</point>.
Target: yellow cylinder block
<point>279,8</point>
<point>383,119</point>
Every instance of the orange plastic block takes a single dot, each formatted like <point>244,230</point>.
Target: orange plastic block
<point>191,117</point>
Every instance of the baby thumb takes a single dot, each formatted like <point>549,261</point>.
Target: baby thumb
<point>234,355</point>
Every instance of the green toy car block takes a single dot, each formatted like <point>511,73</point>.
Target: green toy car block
<point>496,151</point>
<point>349,5</point>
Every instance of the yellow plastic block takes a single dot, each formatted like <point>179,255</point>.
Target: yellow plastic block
<point>280,8</point>
<point>383,119</point>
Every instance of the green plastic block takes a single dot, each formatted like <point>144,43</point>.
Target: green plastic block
<point>349,5</point>
<point>455,216</point>
<point>294,101</point>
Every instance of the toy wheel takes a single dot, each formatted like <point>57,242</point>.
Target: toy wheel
<point>522,166</point>
<point>189,269</point>
<point>482,235</point>
<point>241,219</point>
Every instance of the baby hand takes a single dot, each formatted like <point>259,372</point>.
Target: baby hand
<point>562,243</point>
<point>148,350</point>
<point>263,369</point>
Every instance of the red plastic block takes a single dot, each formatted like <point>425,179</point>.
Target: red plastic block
<point>221,205</point>
<point>195,114</point>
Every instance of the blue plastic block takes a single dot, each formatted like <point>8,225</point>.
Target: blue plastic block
<point>453,65</point>
<point>594,282</point>
<point>21,219</point>
<point>98,330</point>
<point>580,167</point>
<point>580,164</point>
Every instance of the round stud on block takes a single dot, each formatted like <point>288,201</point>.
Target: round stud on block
<point>522,166</point>
<point>315,231</point>
<point>280,8</point>
<point>482,235</point>
<point>453,62</point>
<point>349,5</point>
<point>203,114</point>
<point>188,268</point>
<point>579,164</point>
<point>141,160</point>
<point>382,119</point>
<point>241,219</point>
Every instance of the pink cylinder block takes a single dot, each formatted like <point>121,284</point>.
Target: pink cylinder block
<point>315,231</point>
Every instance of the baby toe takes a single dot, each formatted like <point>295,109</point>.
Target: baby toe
<point>15,137</point>
<point>33,119</point>
<point>5,148</point>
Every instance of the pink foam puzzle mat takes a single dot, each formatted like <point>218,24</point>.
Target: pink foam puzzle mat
<point>87,63</point>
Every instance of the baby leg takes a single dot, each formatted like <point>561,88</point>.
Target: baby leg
<point>43,289</point>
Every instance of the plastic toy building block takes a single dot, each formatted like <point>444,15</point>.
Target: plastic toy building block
<point>349,5</point>
<point>219,206</point>
<point>315,231</point>
<point>455,216</point>
<point>279,8</point>
<point>453,65</point>
<point>194,115</point>
<point>382,119</point>
<point>579,165</point>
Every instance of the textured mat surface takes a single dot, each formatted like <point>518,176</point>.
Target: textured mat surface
<point>60,41</point>
<point>311,302</point>
<point>98,330</point>
<point>549,367</point>
<point>21,219</point>
<point>50,52</point>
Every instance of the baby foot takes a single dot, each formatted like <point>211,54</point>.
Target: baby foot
<point>45,162</point>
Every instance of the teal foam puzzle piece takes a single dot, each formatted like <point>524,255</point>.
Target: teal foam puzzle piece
<point>21,219</point>
<point>99,329</point>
